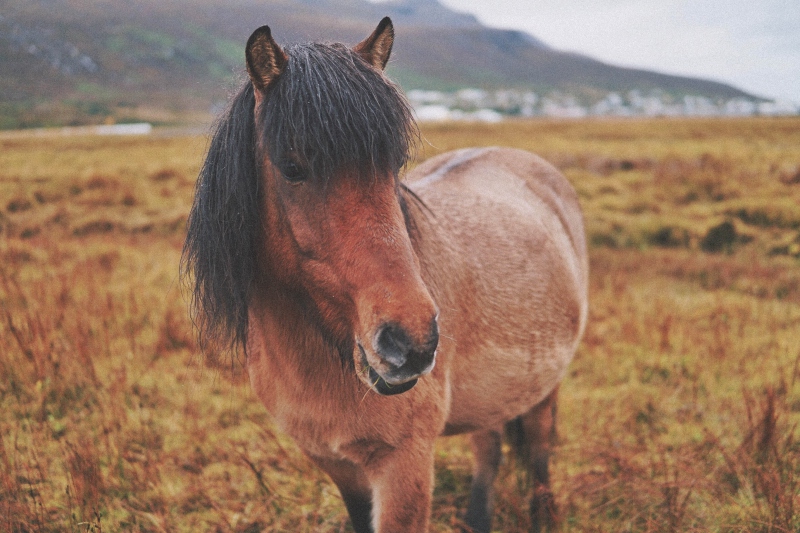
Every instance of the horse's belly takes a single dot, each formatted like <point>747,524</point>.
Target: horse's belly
<point>505,384</point>
<point>510,274</point>
<point>515,322</point>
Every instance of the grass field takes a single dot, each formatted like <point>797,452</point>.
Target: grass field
<point>679,413</point>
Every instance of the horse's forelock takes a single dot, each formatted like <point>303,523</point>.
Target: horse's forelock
<point>333,111</point>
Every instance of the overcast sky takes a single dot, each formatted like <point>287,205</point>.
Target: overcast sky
<point>751,44</point>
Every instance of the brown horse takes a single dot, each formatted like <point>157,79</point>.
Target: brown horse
<point>377,315</point>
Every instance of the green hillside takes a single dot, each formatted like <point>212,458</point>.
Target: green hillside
<point>175,61</point>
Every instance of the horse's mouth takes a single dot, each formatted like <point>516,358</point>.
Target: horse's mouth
<point>377,383</point>
<point>380,385</point>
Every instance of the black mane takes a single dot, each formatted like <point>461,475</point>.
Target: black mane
<point>329,110</point>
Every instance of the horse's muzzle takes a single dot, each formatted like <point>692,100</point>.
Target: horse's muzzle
<point>398,360</point>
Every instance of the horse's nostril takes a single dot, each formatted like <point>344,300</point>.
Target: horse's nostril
<point>433,336</point>
<point>393,345</point>
<point>397,349</point>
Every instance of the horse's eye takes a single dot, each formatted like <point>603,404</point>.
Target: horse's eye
<point>292,172</point>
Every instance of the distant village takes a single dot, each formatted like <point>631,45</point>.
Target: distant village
<point>494,106</point>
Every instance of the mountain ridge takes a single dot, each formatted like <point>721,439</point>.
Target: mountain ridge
<point>88,61</point>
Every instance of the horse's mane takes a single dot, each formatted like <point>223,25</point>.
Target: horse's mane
<point>220,248</point>
<point>332,111</point>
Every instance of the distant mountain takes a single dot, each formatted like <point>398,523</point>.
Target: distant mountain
<point>83,61</point>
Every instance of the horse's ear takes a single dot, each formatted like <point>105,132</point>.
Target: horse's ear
<point>376,48</point>
<point>265,59</point>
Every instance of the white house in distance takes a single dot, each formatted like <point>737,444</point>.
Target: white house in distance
<point>492,106</point>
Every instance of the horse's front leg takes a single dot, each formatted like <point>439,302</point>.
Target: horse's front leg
<point>354,488</point>
<point>402,485</point>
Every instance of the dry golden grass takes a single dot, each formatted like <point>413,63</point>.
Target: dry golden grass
<point>680,411</point>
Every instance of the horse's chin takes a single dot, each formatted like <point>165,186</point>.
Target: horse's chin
<point>374,380</point>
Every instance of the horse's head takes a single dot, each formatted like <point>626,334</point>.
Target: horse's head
<point>331,135</point>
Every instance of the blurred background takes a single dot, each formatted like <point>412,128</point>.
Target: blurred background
<point>681,409</point>
<point>174,62</point>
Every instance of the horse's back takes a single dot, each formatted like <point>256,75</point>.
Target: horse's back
<point>509,264</point>
<point>512,195</point>
<point>497,173</point>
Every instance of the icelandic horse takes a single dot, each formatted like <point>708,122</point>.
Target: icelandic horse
<point>377,314</point>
